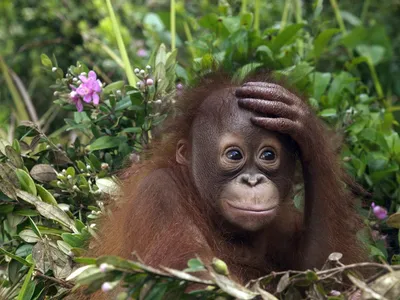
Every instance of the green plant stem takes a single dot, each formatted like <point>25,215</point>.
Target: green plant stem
<point>257,15</point>
<point>375,78</point>
<point>243,9</point>
<point>22,114</point>
<point>365,10</point>
<point>189,38</point>
<point>338,16</point>
<point>124,54</point>
<point>173,25</point>
<point>285,14</point>
<point>299,20</point>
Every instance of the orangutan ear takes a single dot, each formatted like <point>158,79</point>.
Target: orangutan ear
<point>182,152</point>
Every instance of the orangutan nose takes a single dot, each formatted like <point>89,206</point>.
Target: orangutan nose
<point>252,180</point>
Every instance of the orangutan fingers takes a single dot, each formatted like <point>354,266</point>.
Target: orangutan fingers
<point>278,88</point>
<point>281,125</point>
<point>265,93</point>
<point>275,108</point>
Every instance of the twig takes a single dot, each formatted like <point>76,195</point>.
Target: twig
<point>63,283</point>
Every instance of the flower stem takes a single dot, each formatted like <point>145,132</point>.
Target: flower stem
<point>173,25</point>
<point>365,10</point>
<point>243,9</point>
<point>285,14</point>
<point>338,16</point>
<point>257,15</point>
<point>299,20</point>
<point>375,78</point>
<point>189,38</point>
<point>124,54</point>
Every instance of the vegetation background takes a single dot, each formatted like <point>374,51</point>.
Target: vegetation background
<point>57,164</point>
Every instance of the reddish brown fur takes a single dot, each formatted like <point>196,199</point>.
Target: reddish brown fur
<point>165,223</point>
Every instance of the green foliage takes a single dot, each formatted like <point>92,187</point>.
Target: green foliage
<point>57,171</point>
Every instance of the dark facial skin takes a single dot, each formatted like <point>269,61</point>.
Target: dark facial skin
<point>244,172</point>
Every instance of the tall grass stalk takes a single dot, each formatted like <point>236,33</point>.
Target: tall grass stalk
<point>243,9</point>
<point>338,16</point>
<point>21,111</point>
<point>285,14</point>
<point>189,38</point>
<point>299,20</point>
<point>124,54</point>
<point>257,5</point>
<point>173,24</point>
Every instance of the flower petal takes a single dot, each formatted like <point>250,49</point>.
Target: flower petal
<point>96,99</point>
<point>82,78</point>
<point>79,105</point>
<point>87,98</point>
<point>92,75</point>
<point>82,90</point>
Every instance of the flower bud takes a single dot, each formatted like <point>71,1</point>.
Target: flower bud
<point>379,211</point>
<point>158,101</point>
<point>106,287</point>
<point>74,79</point>
<point>56,94</point>
<point>118,92</point>
<point>104,166</point>
<point>136,70</point>
<point>148,67</point>
<point>105,267</point>
<point>220,266</point>
<point>69,177</point>
<point>142,72</point>
<point>179,86</point>
<point>149,81</point>
<point>53,69</point>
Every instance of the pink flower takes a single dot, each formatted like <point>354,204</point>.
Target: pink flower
<point>179,86</point>
<point>379,211</point>
<point>90,88</point>
<point>76,99</point>
<point>141,52</point>
<point>149,81</point>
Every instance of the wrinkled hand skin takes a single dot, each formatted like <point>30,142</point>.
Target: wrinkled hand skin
<point>282,111</point>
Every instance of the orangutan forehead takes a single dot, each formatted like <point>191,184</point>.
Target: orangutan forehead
<point>221,104</point>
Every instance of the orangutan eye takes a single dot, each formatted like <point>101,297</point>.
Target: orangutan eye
<point>268,155</point>
<point>234,154</point>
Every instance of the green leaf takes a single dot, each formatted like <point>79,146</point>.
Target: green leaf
<point>46,61</point>
<point>45,195</point>
<point>34,227</point>
<point>321,82</point>
<point>157,291</point>
<point>105,142</point>
<point>375,53</point>
<point>246,20</point>
<point>17,258</point>
<point>329,112</point>
<point>323,39</point>
<point>284,37</point>
<point>27,183</point>
<point>14,157</point>
<point>29,236</point>
<point>394,220</point>
<point>114,86</point>
<point>132,130</point>
<point>74,240</point>
<point>26,291</point>
<point>48,211</point>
